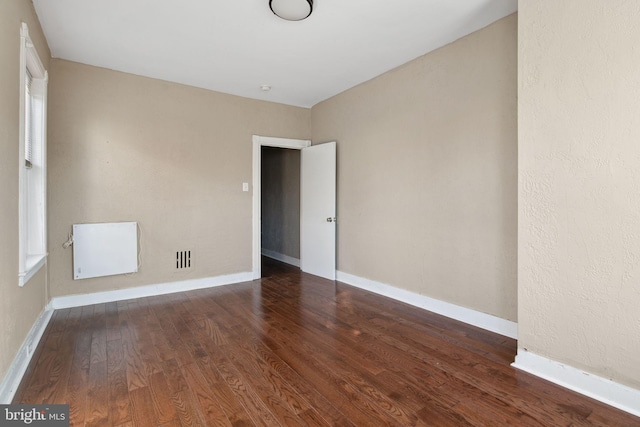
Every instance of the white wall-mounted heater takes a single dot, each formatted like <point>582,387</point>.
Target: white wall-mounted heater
<point>104,249</point>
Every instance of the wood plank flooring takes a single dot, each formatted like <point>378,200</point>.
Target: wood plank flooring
<point>289,350</point>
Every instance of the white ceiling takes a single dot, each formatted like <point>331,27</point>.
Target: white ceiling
<point>235,46</point>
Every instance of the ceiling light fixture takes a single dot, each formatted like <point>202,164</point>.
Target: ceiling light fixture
<point>291,10</point>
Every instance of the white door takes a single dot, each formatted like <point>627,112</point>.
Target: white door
<point>318,210</point>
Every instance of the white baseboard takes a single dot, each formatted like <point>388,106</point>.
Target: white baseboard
<point>463,314</point>
<point>602,389</point>
<point>281,257</point>
<point>79,300</point>
<point>20,363</point>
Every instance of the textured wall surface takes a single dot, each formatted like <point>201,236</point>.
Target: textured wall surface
<point>19,307</point>
<point>281,201</point>
<point>427,173</point>
<point>579,184</point>
<point>171,157</point>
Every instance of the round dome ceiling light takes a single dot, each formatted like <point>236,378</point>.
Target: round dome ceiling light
<point>291,10</point>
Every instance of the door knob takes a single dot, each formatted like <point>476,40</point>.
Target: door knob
<point>331,219</point>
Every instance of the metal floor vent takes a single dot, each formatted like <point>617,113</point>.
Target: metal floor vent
<point>183,259</point>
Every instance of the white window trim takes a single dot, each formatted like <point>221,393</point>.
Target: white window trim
<point>30,263</point>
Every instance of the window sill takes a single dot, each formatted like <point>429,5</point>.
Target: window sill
<point>33,264</point>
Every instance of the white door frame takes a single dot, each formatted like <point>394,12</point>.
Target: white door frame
<point>258,143</point>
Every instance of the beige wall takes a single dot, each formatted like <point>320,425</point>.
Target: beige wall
<point>19,307</point>
<point>427,174</point>
<point>579,184</point>
<point>171,157</point>
<point>281,201</point>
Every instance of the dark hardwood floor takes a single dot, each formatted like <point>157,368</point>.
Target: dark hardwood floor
<point>289,350</point>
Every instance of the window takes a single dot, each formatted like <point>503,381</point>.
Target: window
<point>32,160</point>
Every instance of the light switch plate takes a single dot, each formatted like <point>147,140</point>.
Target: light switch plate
<point>245,186</point>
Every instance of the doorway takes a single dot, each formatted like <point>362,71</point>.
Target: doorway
<point>280,204</point>
<point>317,204</point>
<point>258,143</point>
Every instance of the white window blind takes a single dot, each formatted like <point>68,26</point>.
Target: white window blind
<point>28,118</point>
